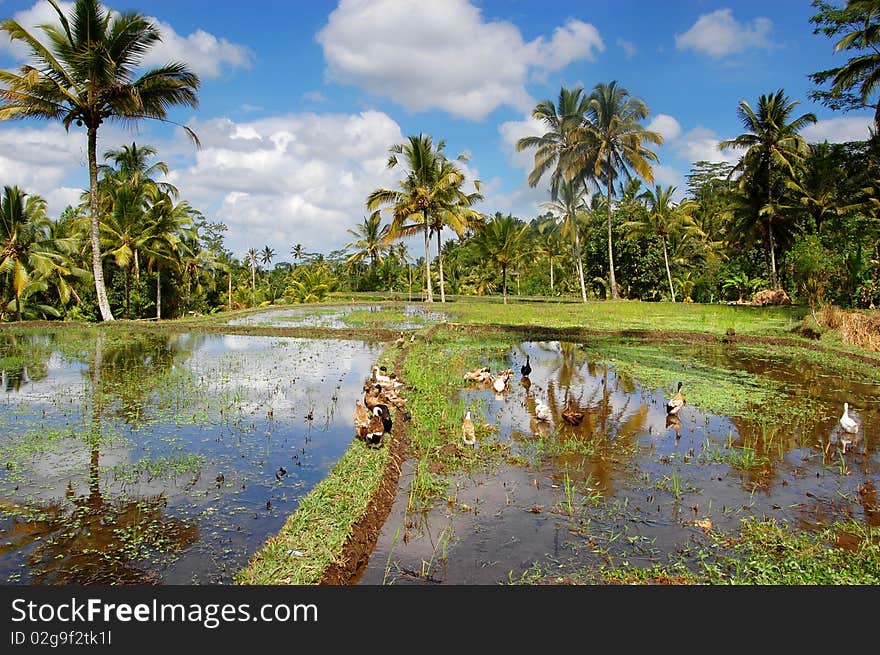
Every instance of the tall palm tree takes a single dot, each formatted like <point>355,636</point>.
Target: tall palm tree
<point>561,144</point>
<point>298,252</point>
<point>501,241</point>
<point>84,77</point>
<point>663,219</point>
<point>252,256</point>
<point>430,195</point>
<point>613,146</point>
<point>371,241</point>
<point>549,243</point>
<point>773,151</point>
<point>267,254</point>
<point>571,208</point>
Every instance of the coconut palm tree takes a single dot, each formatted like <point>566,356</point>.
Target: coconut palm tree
<point>430,196</point>
<point>83,77</point>
<point>773,151</point>
<point>663,219</point>
<point>562,143</point>
<point>612,146</point>
<point>252,256</point>
<point>854,83</point>
<point>571,210</point>
<point>371,241</point>
<point>267,254</point>
<point>501,242</point>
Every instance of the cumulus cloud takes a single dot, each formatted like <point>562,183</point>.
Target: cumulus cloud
<point>839,130</point>
<point>205,54</point>
<point>444,55</point>
<point>301,178</point>
<point>513,131</point>
<point>719,33</point>
<point>701,144</point>
<point>666,125</point>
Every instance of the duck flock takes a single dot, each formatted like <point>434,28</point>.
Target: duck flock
<point>372,417</point>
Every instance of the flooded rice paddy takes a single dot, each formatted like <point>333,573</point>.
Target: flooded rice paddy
<point>163,459</point>
<point>407,317</point>
<point>630,486</point>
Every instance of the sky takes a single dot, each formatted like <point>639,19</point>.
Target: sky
<point>300,100</point>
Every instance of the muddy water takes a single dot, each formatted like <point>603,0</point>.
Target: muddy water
<point>415,316</point>
<point>163,459</point>
<point>629,485</point>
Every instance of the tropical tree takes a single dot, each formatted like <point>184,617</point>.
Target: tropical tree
<point>430,196</point>
<point>612,146</point>
<point>252,257</point>
<point>570,208</point>
<point>31,256</point>
<point>267,254</point>
<point>501,242</point>
<point>853,84</point>
<point>84,77</point>
<point>371,241</point>
<point>663,219</point>
<point>549,243</point>
<point>773,151</point>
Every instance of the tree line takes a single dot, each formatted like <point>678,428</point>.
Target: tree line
<point>788,214</point>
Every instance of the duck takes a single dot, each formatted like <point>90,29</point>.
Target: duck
<point>672,421</point>
<point>467,430</point>
<point>400,340</point>
<point>380,423</point>
<point>526,368</point>
<point>847,422</point>
<point>373,397</point>
<point>542,411</point>
<point>478,375</point>
<point>572,415</point>
<point>361,419</point>
<point>676,402</point>
<point>499,382</point>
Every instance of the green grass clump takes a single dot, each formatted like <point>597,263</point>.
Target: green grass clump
<point>321,524</point>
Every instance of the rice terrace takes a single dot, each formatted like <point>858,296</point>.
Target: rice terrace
<point>213,450</point>
<point>308,345</point>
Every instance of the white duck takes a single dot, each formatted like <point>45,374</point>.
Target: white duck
<point>467,430</point>
<point>542,411</point>
<point>847,422</point>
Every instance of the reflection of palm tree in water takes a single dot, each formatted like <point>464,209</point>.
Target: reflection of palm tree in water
<point>99,541</point>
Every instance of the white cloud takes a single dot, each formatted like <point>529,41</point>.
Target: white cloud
<point>838,130</point>
<point>300,178</point>
<point>668,176</point>
<point>629,48</point>
<point>666,125</point>
<point>718,34</point>
<point>427,55</point>
<point>513,131</point>
<point>204,53</point>
<point>701,144</point>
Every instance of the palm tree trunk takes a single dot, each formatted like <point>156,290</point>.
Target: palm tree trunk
<point>137,266</point>
<point>440,264</point>
<point>668,272</point>
<point>128,292</point>
<point>18,304</point>
<point>430,296</point>
<point>94,227</point>
<point>579,265</point>
<point>158,294</point>
<point>504,282</point>
<point>551,276</point>
<point>230,289</point>
<point>611,277</point>
<point>774,281</point>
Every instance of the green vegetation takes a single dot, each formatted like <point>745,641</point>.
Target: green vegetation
<point>313,537</point>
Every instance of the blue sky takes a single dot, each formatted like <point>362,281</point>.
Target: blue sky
<point>301,100</point>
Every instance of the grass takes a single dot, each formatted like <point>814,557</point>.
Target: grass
<point>313,537</point>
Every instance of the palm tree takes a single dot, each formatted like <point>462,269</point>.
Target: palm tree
<point>663,219</point>
<point>267,254</point>
<point>549,243</point>
<point>84,77</point>
<point>429,196</point>
<point>852,84</point>
<point>560,145</point>
<point>773,151</point>
<point>31,256</point>
<point>252,256</point>
<point>571,208</point>
<point>371,241</point>
<point>298,252</point>
<point>501,241</point>
<point>612,144</point>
